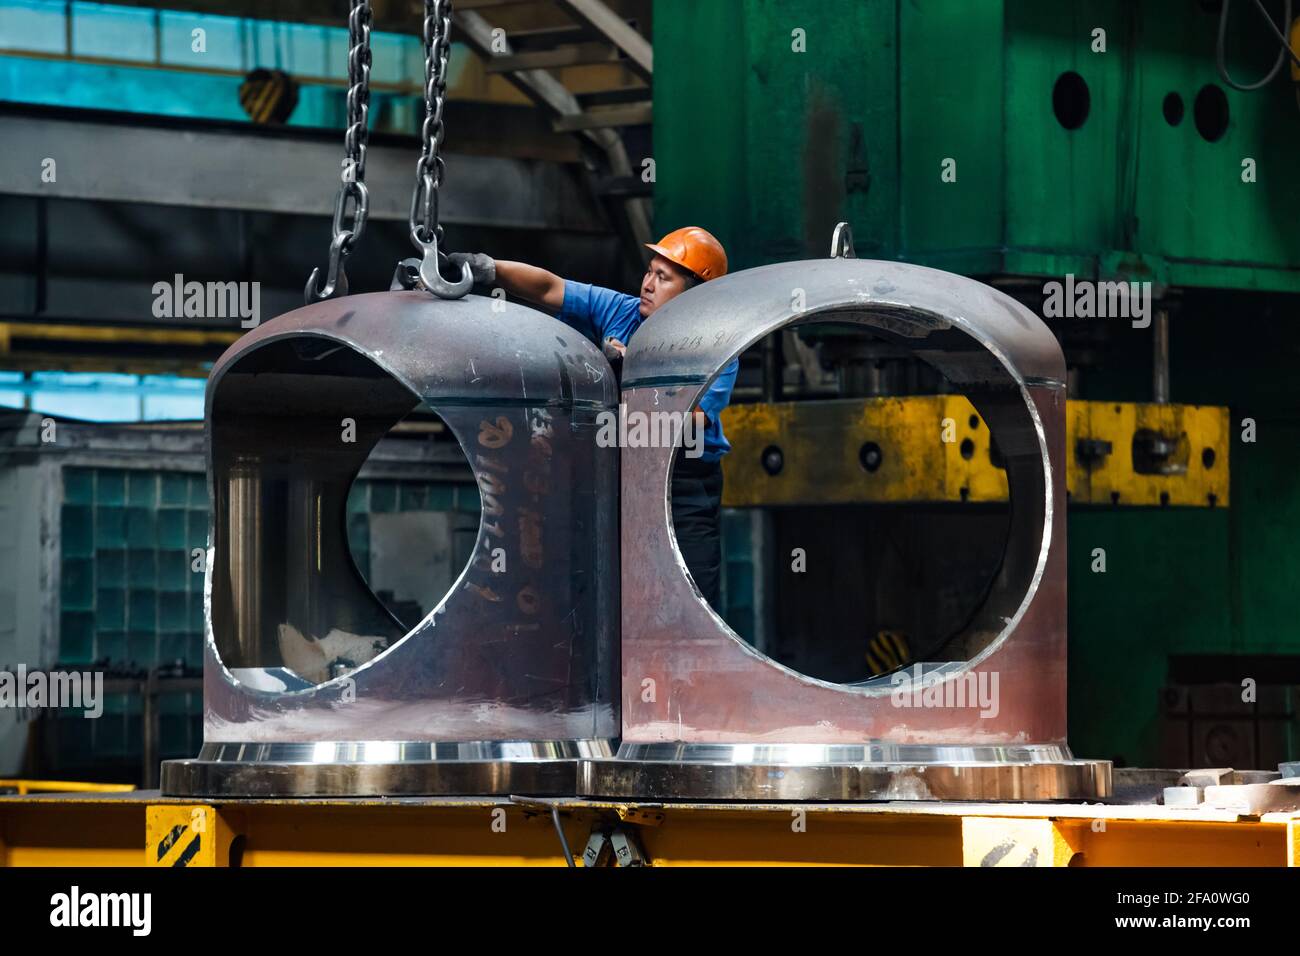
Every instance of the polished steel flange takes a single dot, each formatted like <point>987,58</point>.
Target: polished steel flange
<point>672,771</point>
<point>382,768</point>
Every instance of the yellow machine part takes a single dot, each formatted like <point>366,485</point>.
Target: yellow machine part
<point>937,448</point>
<point>24,787</point>
<point>1294,41</point>
<point>183,835</point>
<point>79,348</point>
<point>1197,465</point>
<point>144,829</point>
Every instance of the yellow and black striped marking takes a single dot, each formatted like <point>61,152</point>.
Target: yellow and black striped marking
<point>1010,841</point>
<point>887,651</point>
<point>186,835</point>
<point>268,96</point>
<point>179,846</point>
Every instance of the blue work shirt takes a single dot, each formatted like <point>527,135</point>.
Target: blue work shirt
<point>600,313</point>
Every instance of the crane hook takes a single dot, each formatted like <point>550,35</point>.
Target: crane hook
<point>336,278</point>
<point>432,279</point>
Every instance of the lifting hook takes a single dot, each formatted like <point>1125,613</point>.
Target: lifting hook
<point>336,279</point>
<point>431,279</point>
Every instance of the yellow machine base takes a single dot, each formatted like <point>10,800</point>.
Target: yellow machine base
<point>141,828</point>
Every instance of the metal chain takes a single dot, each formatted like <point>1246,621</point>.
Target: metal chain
<point>426,231</point>
<point>430,167</point>
<point>344,238</point>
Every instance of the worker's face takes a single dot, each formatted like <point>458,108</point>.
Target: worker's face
<point>663,281</point>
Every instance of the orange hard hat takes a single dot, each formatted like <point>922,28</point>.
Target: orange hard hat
<point>695,250</point>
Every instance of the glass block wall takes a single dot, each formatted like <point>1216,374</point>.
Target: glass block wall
<point>129,600</point>
<point>110,747</point>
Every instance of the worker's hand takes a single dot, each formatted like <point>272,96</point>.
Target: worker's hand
<point>614,349</point>
<point>481,266</point>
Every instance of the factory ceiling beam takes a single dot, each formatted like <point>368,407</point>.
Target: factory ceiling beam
<point>121,157</point>
<point>597,15</point>
<point>576,54</point>
<point>536,44</point>
<point>632,114</point>
<point>547,91</point>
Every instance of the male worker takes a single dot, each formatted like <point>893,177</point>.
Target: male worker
<point>682,259</point>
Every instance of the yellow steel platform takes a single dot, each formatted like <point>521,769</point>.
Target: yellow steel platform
<point>141,828</point>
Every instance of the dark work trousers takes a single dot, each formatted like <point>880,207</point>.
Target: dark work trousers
<point>697,519</point>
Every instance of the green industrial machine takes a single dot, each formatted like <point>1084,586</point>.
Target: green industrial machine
<point>1021,141</point>
<point>1006,137</point>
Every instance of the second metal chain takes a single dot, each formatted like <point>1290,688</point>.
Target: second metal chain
<point>353,188</point>
<point>426,232</point>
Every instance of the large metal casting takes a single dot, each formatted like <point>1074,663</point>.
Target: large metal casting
<point>311,687</point>
<point>705,715</point>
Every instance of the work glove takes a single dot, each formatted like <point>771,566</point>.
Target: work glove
<point>481,266</point>
<point>613,349</point>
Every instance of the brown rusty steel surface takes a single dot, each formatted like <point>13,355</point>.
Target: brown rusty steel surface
<point>687,678</point>
<point>526,654</point>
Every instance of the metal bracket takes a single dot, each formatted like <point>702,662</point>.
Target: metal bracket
<point>406,276</point>
<point>842,242</point>
<point>627,849</point>
<point>598,849</point>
